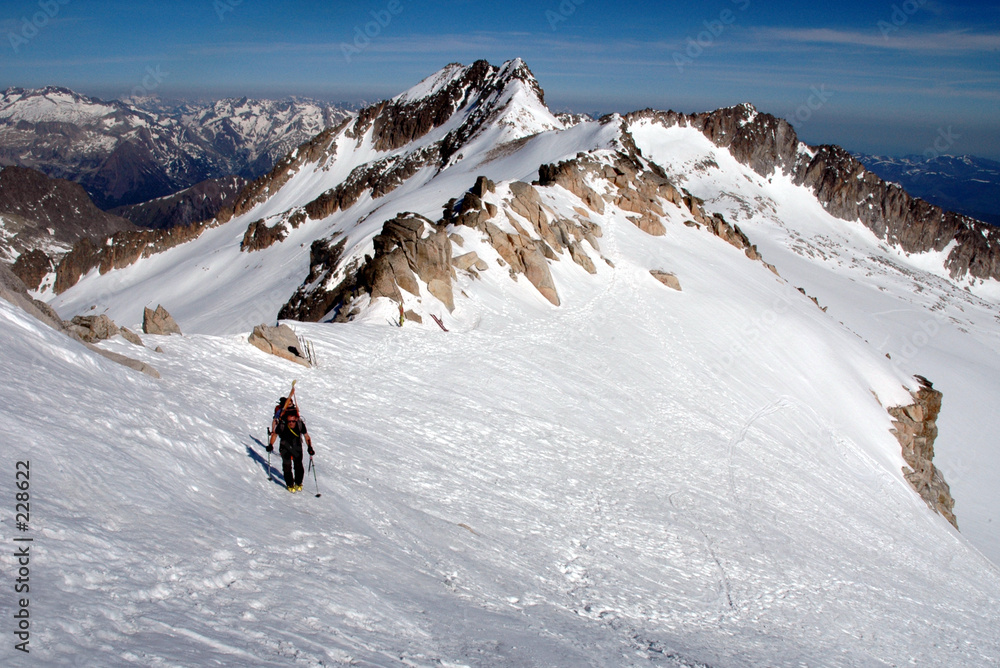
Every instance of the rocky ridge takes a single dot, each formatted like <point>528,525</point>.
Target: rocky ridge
<point>846,188</point>
<point>516,221</point>
<point>202,201</point>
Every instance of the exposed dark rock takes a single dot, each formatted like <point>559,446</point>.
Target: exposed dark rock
<point>915,427</point>
<point>32,267</point>
<point>120,251</point>
<point>259,236</point>
<point>324,289</point>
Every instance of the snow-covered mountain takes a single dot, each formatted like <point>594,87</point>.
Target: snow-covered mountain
<point>130,152</point>
<point>964,183</point>
<point>656,430</point>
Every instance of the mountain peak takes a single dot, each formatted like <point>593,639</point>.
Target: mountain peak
<point>466,98</point>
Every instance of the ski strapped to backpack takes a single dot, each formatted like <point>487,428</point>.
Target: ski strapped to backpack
<point>284,406</point>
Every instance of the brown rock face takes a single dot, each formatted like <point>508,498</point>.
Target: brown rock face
<point>259,236</point>
<point>409,246</point>
<point>668,279</point>
<point>159,322</point>
<point>915,427</point>
<point>402,250</point>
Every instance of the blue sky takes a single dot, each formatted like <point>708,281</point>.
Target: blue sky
<point>893,77</point>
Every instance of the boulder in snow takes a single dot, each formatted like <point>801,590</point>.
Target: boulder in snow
<point>668,279</point>
<point>131,336</point>
<point>93,328</point>
<point>158,321</point>
<point>280,341</point>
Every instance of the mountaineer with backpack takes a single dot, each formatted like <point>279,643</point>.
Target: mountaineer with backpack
<point>290,428</point>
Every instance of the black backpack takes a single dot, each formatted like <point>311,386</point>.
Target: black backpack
<point>291,410</point>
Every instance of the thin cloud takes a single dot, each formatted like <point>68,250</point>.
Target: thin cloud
<point>953,41</point>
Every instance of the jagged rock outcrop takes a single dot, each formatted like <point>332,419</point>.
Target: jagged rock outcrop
<point>159,322</point>
<point>915,427</point>
<point>409,245</point>
<point>260,236</point>
<point>639,187</point>
<point>93,328</point>
<point>280,341</point>
<point>845,188</point>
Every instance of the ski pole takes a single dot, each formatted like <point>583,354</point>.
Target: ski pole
<point>313,467</point>
<point>269,454</point>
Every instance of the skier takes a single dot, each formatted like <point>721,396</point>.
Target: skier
<point>291,428</point>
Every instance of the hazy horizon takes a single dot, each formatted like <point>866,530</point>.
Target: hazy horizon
<point>890,78</point>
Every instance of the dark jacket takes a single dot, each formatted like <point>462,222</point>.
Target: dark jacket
<point>291,439</point>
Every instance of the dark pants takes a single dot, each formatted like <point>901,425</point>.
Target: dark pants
<point>291,455</point>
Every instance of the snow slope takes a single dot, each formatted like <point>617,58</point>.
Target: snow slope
<point>604,483</point>
<point>640,475</point>
<point>904,306</point>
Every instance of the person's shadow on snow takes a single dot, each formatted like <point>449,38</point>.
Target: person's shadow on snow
<point>262,460</point>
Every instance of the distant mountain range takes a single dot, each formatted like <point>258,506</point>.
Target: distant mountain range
<point>126,153</point>
<point>964,184</point>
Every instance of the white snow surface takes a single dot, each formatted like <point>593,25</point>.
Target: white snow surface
<point>605,483</point>
<point>638,476</point>
<point>903,305</point>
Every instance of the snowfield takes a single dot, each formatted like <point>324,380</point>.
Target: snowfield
<point>605,483</point>
<point>638,476</point>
